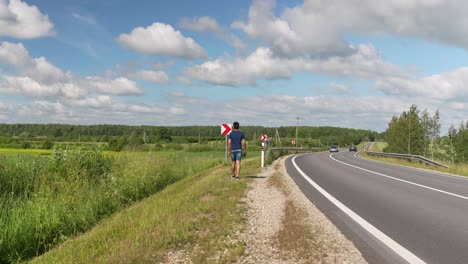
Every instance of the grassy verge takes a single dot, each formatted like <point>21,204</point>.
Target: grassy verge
<point>458,169</point>
<point>378,146</point>
<point>46,200</point>
<point>197,216</point>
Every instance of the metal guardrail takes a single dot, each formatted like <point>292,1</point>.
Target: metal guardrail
<point>295,150</point>
<point>407,156</point>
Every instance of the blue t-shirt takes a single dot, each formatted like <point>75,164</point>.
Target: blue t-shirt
<point>236,139</point>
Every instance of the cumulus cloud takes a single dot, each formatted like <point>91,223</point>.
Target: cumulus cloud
<point>207,24</point>
<point>291,38</point>
<point>117,86</point>
<point>446,86</point>
<point>365,63</point>
<point>201,24</point>
<point>317,28</point>
<point>40,69</point>
<point>37,77</point>
<point>159,77</point>
<point>161,39</point>
<point>241,71</point>
<point>25,86</point>
<point>20,20</point>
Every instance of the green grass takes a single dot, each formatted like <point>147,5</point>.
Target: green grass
<point>378,146</point>
<point>45,200</point>
<point>457,169</point>
<point>199,215</point>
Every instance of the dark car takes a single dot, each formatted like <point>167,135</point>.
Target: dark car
<point>334,148</point>
<point>352,148</point>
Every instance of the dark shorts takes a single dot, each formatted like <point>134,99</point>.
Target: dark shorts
<point>236,154</point>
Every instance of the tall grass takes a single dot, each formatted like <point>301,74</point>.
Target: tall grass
<point>45,200</point>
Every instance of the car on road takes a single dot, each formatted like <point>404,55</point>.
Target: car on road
<point>334,148</point>
<point>352,148</point>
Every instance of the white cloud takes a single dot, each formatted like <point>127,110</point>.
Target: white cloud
<point>210,25</point>
<point>20,20</point>
<point>101,101</point>
<point>241,71</point>
<point>302,38</point>
<point>161,39</point>
<point>365,63</point>
<point>446,86</point>
<point>118,86</point>
<point>159,77</point>
<point>201,24</point>
<point>39,69</point>
<point>37,77</point>
<point>318,28</point>
<point>25,86</point>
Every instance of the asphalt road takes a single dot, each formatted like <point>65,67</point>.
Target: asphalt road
<point>393,214</point>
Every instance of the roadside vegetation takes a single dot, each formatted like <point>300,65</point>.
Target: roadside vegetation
<point>44,200</point>
<point>197,218</point>
<point>418,133</point>
<point>59,181</point>
<point>415,132</point>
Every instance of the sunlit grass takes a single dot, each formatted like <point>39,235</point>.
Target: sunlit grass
<point>197,216</point>
<point>46,199</point>
<point>378,146</point>
<point>457,169</point>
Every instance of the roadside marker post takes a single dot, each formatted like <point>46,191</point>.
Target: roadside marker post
<point>225,130</point>
<point>264,138</point>
<point>263,156</point>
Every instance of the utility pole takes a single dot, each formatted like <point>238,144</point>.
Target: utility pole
<point>297,123</point>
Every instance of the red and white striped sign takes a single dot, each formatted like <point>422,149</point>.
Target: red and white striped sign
<point>264,137</point>
<point>225,129</point>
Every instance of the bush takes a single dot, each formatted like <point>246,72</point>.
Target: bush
<point>25,145</point>
<point>47,144</point>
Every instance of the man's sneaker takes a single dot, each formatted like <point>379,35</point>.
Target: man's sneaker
<point>237,178</point>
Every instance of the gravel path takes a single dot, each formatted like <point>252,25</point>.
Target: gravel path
<point>266,210</point>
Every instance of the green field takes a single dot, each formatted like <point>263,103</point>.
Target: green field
<point>45,199</point>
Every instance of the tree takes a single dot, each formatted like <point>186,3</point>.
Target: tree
<point>426,124</point>
<point>134,139</point>
<point>434,132</point>
<point>452,137</point>
<point>461,141</point>
<point>164,135</point>
<point>405,134</point>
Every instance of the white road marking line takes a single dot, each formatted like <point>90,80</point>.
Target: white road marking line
<point>397,179</point>
<point>440,174</point>
<point>397,248</point>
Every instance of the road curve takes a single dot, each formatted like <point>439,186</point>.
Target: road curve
<point>425,213</point>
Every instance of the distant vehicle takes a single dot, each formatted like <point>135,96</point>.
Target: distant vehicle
<point>352,148</point>
<point>334,148</point>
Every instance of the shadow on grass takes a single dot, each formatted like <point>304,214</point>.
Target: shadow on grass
<point>255,177</point>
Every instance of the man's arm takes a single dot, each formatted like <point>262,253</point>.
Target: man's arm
<point>229,148</point>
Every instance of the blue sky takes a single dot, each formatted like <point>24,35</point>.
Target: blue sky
<point>336,63</point>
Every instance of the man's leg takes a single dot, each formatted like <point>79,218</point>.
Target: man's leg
<point>238,168</point>
<point>233,168</point>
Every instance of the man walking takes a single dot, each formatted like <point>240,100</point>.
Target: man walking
<point>236,149</point>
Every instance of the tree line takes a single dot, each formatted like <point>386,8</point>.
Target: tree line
<point>119,136</point>
<point>418,133</point>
